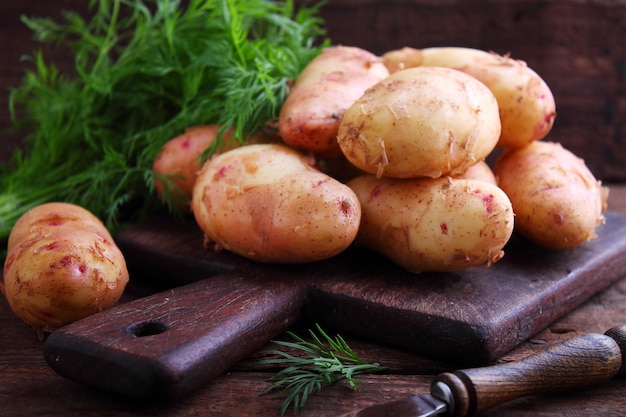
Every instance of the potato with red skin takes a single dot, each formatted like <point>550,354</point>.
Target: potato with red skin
<point>558,202</point>
<point>328,85</point>
<point>62,265</point>
<point>433,224</point>
<point>53,216</point>
<point>180,159</point>
<point>526,103</point>
<point>268,203</point>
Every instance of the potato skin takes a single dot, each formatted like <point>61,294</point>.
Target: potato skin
<point>268,203</point>
<point>54,216</point>
<point>527,105</point>
<point>558,202</point>
<point>328,85</point>
<point>62,265</point>
<point>421,122</point>
<point>479,171</point>
<point>180,158</point>
<point>433,224</point>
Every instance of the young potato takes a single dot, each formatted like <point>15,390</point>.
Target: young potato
<point>53,216</point>
<point>558,203</point>
<point>433,224</point>
<point>180,160</point>
<point>527,106</point>
<point>479,171</point>
<point>328,85</point>
<point>62,265</point>
<point>421,122</point>
<point>268,203</point>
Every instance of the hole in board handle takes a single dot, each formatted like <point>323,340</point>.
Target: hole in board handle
<point>146,328</point>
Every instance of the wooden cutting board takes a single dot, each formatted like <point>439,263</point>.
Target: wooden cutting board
<point>217,308</point>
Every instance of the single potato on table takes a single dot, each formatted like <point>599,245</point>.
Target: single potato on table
<point>328,85</point>
<point>558,203</point>
<point>421,122</point>
<point>270,204</point>
<point>433,224</point>
<point>62,265</point>
<point>526,103</point>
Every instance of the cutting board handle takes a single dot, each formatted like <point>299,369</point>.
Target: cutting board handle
<point>169,344</point>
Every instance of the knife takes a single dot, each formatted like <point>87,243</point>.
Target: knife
<point>575,363</point>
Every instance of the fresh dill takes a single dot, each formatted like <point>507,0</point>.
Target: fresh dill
<point>144,72</point>
<point>325,361</point>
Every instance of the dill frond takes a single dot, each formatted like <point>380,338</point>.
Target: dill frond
<point>325,361</point>
<point>145,71</point>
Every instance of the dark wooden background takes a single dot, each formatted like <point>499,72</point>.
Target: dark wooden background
<point>578,47</point>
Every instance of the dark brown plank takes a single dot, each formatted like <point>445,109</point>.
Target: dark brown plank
<point>489,309</point>
<point>167,345</point>
<point>30,387</point>
<point>470,317</point>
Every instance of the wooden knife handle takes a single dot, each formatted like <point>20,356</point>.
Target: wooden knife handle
<point>582,361</point>
<point>618,334</point>
<point>167,345</point>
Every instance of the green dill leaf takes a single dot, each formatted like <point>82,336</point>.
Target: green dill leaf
<point>144,71</point>
<point>326,361</point>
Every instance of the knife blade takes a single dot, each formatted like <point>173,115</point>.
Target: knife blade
<point>424,405</point>
<point>573,364</point>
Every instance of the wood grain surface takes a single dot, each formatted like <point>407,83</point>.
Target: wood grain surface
<point>28,386</point>
<point>579,47</point>
<point>169,344</point>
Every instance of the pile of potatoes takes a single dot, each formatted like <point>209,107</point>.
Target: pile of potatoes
<point>389,152</point>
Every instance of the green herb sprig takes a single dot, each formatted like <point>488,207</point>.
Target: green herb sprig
<point>325,361</point>
<point>144,71</point>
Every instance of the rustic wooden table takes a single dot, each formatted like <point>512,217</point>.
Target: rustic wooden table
<point>29,387</point>
<point>578,48</point>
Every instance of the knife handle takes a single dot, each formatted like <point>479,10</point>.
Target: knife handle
<point>582,361</point>
<point>618,334</point>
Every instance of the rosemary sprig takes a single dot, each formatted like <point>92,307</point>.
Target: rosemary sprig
<point>325,361</point>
